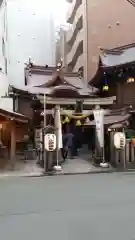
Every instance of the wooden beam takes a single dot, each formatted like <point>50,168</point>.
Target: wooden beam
<point>90,101</point>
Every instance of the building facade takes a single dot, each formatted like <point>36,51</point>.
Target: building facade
<point>26,31</point>
<point>116,75</point>
<point>97,24</point>
<point>61,46</point>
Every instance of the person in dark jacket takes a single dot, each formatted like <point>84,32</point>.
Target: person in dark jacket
<point>64,150</point>
<point>69,143</point>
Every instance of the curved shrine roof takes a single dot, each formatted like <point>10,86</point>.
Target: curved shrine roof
<point>42,80</point>
<point>118,56</point>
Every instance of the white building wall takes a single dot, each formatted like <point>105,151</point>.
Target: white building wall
<point>30,33</point>
<point>3,77</point>
<point>6,103</point>
<point>1,34</point>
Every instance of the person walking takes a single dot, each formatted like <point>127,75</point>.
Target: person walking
<point>69,143</point>
<point>64,150</point>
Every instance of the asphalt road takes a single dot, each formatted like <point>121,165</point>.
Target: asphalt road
<point>68,207</point>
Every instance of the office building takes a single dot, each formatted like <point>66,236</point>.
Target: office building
<point>27,30</point>
<point>96,25</point>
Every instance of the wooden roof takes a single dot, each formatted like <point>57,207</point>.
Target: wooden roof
<point>47,80</point>
<point>8,114</point>
<point>115,58</point>
<point>50,75</point>
<point>118,56</point>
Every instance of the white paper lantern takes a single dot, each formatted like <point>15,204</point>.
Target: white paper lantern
<point>119,140</point>
<point>50,142</point>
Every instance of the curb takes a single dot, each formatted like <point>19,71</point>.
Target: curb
<point>21,175</point>
<point>83,173</point>
<point>91,172</point>
<point>70,173</point>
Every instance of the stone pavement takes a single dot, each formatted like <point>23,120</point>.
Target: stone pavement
<point>22,169</point>
<point>80,165</point>
<point>76,165</point>
<point>70,167</point>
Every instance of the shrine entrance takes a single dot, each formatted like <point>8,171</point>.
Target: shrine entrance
<point>83,136</point>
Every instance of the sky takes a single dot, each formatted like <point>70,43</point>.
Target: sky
<point>59,8</point>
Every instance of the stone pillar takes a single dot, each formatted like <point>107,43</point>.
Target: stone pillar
<point>112,149</point>
<point>99,151</point>
<point>58,133</point>
<point>13,145</point>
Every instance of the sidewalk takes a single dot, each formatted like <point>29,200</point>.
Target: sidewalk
<point>71,167</point>
<point>22,169</point>
<point>31,169</point>
<point>77,165</point>
<point>80,166</point>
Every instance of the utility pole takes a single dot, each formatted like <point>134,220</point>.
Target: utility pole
<point>44,151</point>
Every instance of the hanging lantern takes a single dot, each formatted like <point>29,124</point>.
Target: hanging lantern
<point>109,129</point>
<point>133,142</point>
<point>130,80</point>
<point>66,120</point>
<point>78,123</point>
<point>105,86</point>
